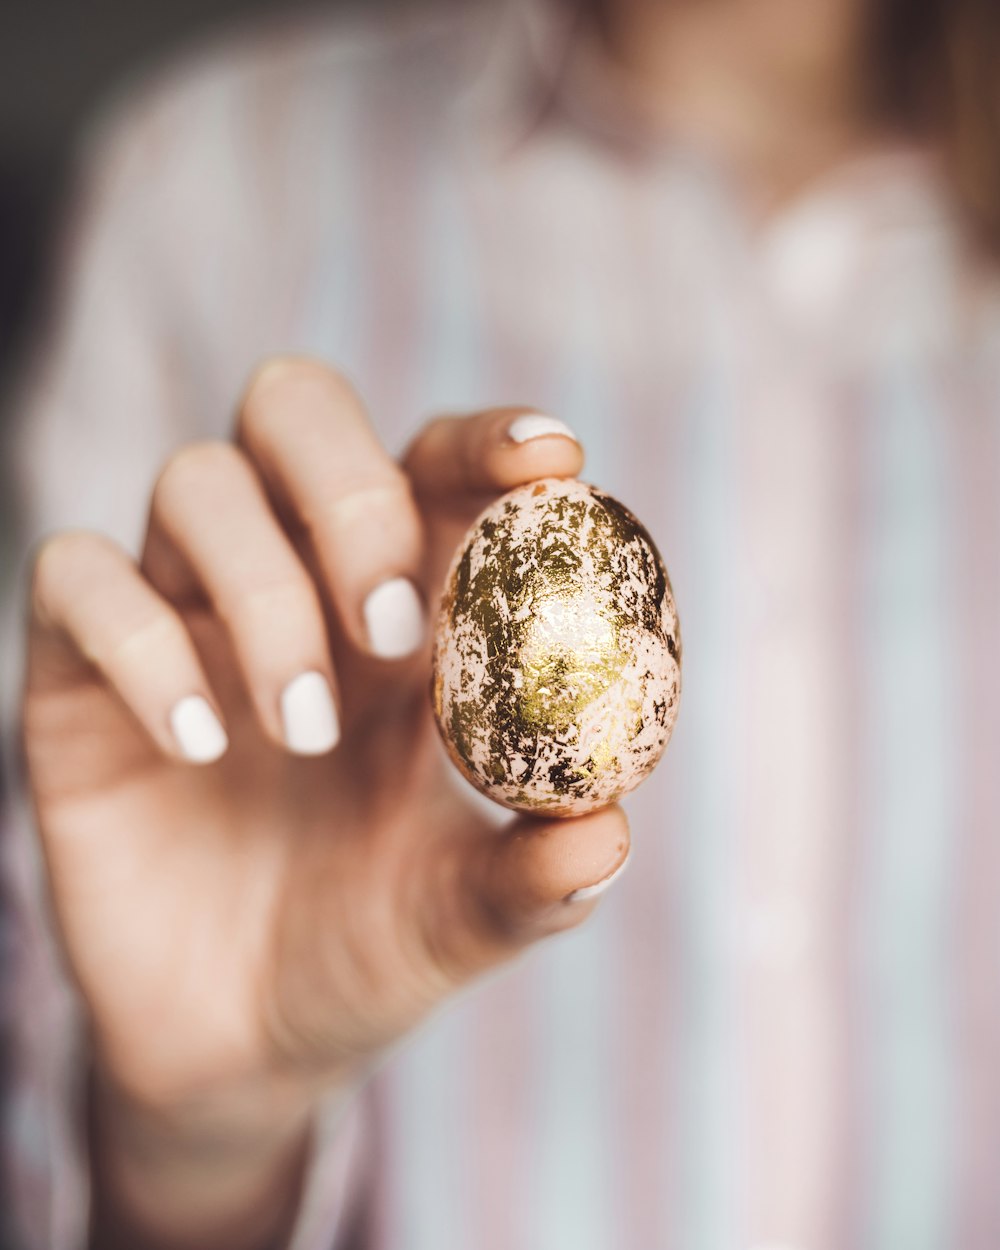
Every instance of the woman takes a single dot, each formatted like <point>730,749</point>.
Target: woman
<point>740,247</point>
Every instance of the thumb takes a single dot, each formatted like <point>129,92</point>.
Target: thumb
<point>528,881</point>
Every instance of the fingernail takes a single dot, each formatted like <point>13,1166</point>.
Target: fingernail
<point>309,716</point>
<point>197,730</point>
<point>394,618</point>
<point>592,891</point>
<point>534,425</point>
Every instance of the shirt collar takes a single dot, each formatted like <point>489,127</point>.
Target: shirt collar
<point>537,59</point>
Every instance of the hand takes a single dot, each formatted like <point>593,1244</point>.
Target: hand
<point>261,874</point>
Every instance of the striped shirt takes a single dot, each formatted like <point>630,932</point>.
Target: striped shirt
<point>781,1031</point>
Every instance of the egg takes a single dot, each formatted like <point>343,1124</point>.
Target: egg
<point>557,651</point>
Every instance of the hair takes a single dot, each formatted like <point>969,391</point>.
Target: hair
<point>934,70</point>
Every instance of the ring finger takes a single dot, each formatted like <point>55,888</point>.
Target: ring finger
<point>212,533</point>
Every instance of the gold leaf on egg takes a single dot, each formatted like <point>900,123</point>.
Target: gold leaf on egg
<point>557,653</point>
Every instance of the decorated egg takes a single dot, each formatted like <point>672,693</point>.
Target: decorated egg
<point>557,653</point>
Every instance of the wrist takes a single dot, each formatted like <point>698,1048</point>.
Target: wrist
<point>220,1171</point>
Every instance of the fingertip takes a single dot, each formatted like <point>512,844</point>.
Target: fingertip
<point>525,444</point>
<point>292,369</point>
<point>529,426</point>
<point>554,860</point>
<point>529,881</point>
<point>395,618</point>
<point>466,457</point>
<point>587,892</point>
<point>197,730</point>
<point>309,720</point>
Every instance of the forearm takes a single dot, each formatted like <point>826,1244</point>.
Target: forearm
<point>191,1181</point>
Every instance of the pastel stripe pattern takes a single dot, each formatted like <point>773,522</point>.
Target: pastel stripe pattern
<point>912,792</point>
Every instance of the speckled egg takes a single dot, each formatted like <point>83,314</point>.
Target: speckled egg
<point>557,652</point>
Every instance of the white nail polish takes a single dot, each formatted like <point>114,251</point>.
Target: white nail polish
<point>309,715</point>
<point>534,425</point>
<point>197,730</point>
<point>394,618</point>
<point>592,891</point>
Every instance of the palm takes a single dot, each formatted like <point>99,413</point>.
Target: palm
<point>254,894</point>
<point>271,922</point>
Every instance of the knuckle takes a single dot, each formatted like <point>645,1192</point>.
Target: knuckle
<point>193,469</point>
<point>387,497</point>
<point>290,601</point>
<point>158,634</point>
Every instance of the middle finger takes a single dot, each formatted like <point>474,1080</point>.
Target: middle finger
<point>213,535</point>
<point>310,438</point>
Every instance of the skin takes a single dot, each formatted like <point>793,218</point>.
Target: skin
<point>251,933</point>
<point>772,87</point>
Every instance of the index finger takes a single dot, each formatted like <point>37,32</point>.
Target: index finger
<point>455,459</point>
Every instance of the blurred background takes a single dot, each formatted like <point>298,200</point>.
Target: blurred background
<point>61,63</point>
<point>59,60</point>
